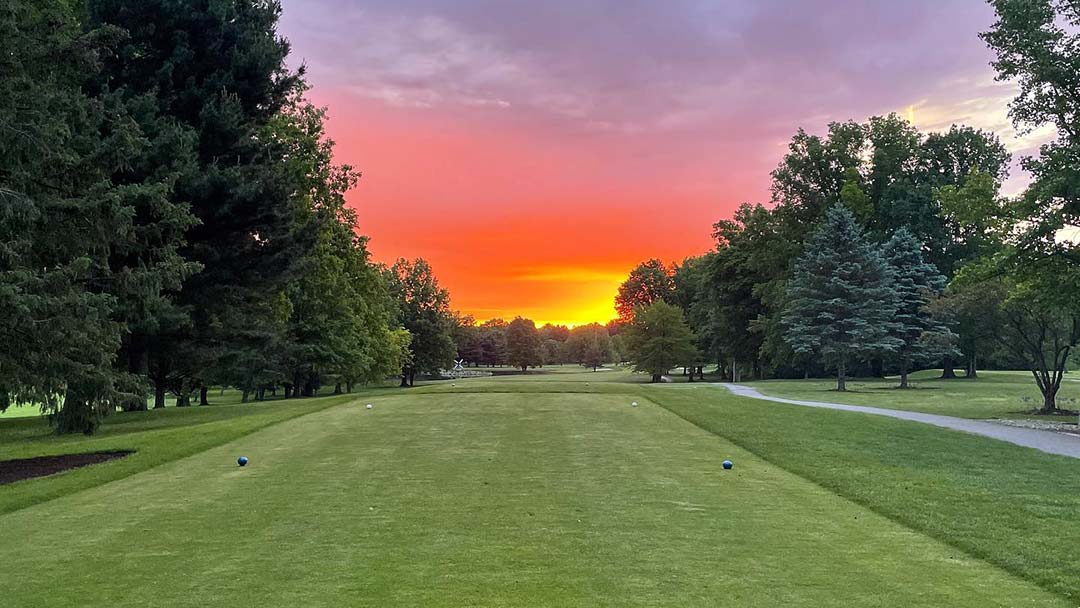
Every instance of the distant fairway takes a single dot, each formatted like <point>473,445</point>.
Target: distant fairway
<point>544,490</point>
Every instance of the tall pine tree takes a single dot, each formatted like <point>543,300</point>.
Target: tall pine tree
<point>88,230</point>
<point>216,68</point>
<point>840,299</point>
<point>916,282</point>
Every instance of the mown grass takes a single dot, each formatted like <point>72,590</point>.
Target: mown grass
<point>157,436</point>
<point>485,498</point>
<point>1012,506</point>
<point>995,394</point>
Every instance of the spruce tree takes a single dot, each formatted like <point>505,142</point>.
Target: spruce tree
<point>840,299</point>
<point>915,282</point>
<point>88,232</point>
<point>216,70</point>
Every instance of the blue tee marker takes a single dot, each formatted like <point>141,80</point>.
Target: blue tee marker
<point>727,465</point>
<point>241,460</point>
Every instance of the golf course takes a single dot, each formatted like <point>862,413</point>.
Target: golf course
<point>545,489</point>
<point>559,304</point>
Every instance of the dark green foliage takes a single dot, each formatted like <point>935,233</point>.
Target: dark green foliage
<point>590,345</point>
<point>492,342</point>
<point>916,282</point>
<point>216,69</point>
<point>524,348</point>
<point>466,337</point>
<point>743,290</point>
<point>1037,44</point>
<point>649,282</point>
<point>423,308</point>
<point>658,339</point>
<point>89,233</point>
<point>1037,47</point>
<point>170,211</point>
<point>840,299</point>
<point>889,175</point>
<point>338,306</point>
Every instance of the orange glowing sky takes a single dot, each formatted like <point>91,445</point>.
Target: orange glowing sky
<point>535,152</point>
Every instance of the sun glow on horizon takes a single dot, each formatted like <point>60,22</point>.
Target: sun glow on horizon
<point>533,173</point>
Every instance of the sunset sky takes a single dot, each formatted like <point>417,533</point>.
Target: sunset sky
<point>534,152</point>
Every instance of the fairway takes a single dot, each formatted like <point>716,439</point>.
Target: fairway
<point>482,499</point>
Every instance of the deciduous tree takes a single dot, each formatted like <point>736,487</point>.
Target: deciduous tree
<point>658,339</point>
<point>649,282</point>
<point>524,348</point>
<point>423,308</point>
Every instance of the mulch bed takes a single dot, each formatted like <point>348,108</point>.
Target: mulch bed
<point>40,466</point>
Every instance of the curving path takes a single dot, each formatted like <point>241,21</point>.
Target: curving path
<point>1046,441</point>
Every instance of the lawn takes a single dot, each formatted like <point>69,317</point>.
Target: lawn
<point>995,394</point>
<point>496,492</point>
<point>157,436</point>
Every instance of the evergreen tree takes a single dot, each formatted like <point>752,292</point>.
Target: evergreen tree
<point>216,70</point>
<point>915,282</point>
<point>88,231</point>
<point>658,339</point>
<point>840,299</point>
<point>523,344</point>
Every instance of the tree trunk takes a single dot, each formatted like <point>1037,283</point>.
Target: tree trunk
<point>244,396</point>
<point>404,379</point>
<point>183,398</point>
<point>260,393</point>
<point>655,378</point>
<point>1050,400</point>
<point>1049,381</point>
<point>287,390</point>
<point>202,396</point>
<point>136,403</point>
<point>348,387</point>
<point>76,415</point>
<point>972,368</point>
<point>337,388</point>
<point>877,368</point>
<point>841,377</point>
<point>947,368</point>
<point>159,394</point>
<point>412,377</point>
